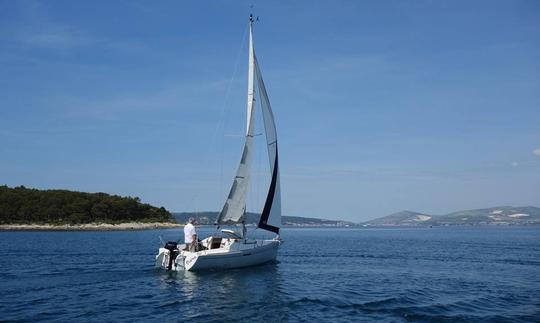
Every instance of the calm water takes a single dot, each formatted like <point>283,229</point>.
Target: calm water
<point>439,274</point>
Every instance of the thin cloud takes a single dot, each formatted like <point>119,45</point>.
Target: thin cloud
<point>35,29</point>
<point>65,39</point>
<point>175,97</point>
<point>536,152</point>
<point>56,37</point>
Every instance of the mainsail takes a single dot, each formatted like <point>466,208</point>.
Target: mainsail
<point>235,206</point>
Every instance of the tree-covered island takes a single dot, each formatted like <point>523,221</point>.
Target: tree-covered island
<point>21,206</point>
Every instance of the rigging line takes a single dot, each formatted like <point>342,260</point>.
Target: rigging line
<point>222,116</point>
<point>220,122</point>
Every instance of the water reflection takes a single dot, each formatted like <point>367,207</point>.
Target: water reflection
<point>229,294</point>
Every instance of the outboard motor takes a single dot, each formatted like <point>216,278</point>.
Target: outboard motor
<point>173,252</point>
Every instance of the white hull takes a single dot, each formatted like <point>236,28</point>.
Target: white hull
<point>232,254</point>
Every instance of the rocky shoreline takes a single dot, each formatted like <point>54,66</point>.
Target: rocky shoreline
<point>129,226</point>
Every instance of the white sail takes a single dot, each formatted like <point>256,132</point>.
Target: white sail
<point>235,206</point>
<point>271,215</point>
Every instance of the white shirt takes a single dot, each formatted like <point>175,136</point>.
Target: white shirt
<point>189,231</point>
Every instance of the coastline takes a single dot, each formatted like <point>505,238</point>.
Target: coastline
<point>128,226</point>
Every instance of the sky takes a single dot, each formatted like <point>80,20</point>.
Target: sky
<point>381,106</point>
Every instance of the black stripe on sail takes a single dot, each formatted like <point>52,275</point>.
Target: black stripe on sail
<point>269,201</point>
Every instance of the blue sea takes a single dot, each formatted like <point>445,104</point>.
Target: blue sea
<point>324,275</point>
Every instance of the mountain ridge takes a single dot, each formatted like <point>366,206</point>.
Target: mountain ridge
<point>208,217</point>
<point>499,215</point>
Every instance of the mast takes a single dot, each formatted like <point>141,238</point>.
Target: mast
<point>251,76</point>
<point>250,102</point>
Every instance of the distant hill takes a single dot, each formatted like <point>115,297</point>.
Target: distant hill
<point>21,205</point>
<point>253,219</point>
<point>494,215</point>
<point>501,215</point>
<point>401,218</point>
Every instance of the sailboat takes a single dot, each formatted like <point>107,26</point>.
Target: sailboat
<point>232,248</point>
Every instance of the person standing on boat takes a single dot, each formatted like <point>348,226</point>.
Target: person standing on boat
<point>190,236</point>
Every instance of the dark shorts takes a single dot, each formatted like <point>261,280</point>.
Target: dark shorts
<point>192,247</point>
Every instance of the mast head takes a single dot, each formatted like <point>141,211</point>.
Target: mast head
<point>253,19</point>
